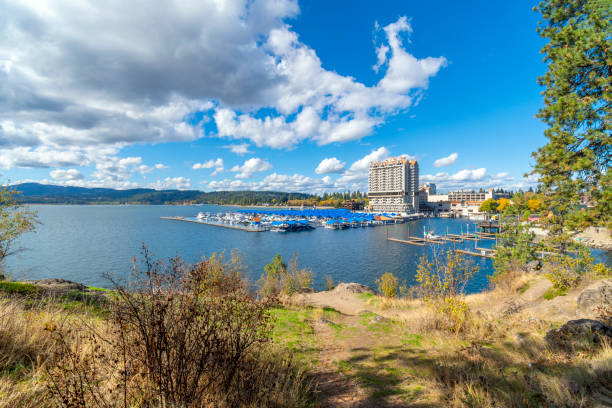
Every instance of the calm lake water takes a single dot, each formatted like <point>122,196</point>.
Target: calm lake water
<point>81,243</point>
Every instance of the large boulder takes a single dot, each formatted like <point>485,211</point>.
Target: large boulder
<point>598,294</point>
<point>532,266</point>
<point>579,334</point>
<point>353,288</point>
<point>58,284</point>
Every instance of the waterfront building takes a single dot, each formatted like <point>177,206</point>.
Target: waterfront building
<point>430,202</point>
<point>467,203</point>
<point>352,205</point>
<point>393,185</point>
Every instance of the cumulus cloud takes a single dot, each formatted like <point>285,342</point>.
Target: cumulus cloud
<point>208,164</point>
<point>66,175</point>
<point>323,106</point>
<point>356,176</point>
<point>474,179</point>
<point>80,81</point>
<point>405,71</point>
<point>238,149</point>
<point>330,165</point>
<point>143,168</point>
<point>277,182</point>
<point>446,161</point>
<point>363,164</point>
<point>251,166</point>
<point>172,183</point>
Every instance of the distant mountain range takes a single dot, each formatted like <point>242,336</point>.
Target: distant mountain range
<point>36,193</point>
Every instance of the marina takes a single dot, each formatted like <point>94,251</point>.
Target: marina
<point>108,237</point>
<point>290,220</point>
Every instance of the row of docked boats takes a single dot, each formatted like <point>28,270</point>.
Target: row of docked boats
<point>293,220</point>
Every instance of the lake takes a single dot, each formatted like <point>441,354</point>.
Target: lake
<point>82,243</point>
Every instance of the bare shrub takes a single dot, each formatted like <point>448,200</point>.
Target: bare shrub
<point>179,336</point>
<point>280,279</point>
<point>441,284</point>
<point>388,285</point>
<point>329,283</point>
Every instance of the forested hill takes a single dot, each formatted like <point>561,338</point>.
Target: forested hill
<point>36,193</point>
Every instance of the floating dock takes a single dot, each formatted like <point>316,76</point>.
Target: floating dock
<point>249,228</point>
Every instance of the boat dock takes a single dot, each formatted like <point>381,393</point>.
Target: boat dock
<point>258,228</point>
<point>454,238</point>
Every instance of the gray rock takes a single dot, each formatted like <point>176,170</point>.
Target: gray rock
<point>59,284</point>
<point>598,294</point>
<point>377,319</point>
<point>322,320</point>
<point>353,288</point>
<point>532,266</point>
<point>579,334</point>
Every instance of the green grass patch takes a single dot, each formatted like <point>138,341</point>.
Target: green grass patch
<point>97,289</point>
<point>524,288</point>
<point>365,296</point>
<point>291,329</point>
<point>19,288</point>
<point>412,340</point>
<point>553,292</point>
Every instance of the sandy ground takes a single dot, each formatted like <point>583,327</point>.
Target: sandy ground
<point>595,237</point>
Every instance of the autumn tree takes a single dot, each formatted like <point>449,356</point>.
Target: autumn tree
<point>503,204</point>
<point>488,206</point>
<point>15,220</point>
<point>574,166</point>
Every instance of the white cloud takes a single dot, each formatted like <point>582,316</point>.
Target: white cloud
<point>328,107</point>
<point>83,80</point>
<point>143,168</point>
<point>363,164</point>
<point>446,161</point>
<point>465,174</point>
<point>277,182</point>
<point>406,72</point>
<point>172,183</point>
<point>66,175</point>
<point>208,164</point>
<point>356,176</point>
<point>330,165</point>
<point>251,166</point>
<point>238,149</point>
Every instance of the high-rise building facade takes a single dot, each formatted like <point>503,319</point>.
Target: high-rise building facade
<point>394,185</point>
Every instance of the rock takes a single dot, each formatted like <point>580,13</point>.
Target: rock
<point>377,319</point>
<point>58,284</point>
<point>581,333</point>
<point>511,307</point>
<point>353,288</point>
<point>598,294</point>
<point>322,320</point>
<point>532,266</point>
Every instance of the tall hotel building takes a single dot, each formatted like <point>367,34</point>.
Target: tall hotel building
<point>394,185</point>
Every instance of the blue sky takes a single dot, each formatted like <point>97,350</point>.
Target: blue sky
<point>268,94</point>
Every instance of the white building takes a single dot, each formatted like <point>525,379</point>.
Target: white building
<point>393,185</point>
<point>467,203</point>
<point>459,203</point>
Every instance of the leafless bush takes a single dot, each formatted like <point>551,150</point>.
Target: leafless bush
<point>180,336</point>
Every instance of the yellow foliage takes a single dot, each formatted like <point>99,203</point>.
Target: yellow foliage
<point>388,285</point>
<point>503,204</point>
<point>534,204</point>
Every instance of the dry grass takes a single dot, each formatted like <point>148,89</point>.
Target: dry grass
<point>26,349</point>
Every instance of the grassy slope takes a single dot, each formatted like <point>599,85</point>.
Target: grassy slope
<point>400,359</point>
<point>390,354</point>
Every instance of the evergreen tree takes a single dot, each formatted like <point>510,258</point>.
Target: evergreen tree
<point>575,163</point>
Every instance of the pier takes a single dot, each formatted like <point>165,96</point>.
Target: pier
<point>454,238</point>
<point>258,228</point>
